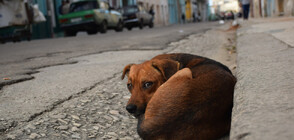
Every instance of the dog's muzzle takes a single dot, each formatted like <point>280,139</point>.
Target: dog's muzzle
<point>134,110</point>
<point>131,108</point>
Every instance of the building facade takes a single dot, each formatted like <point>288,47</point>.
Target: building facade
<point>202,10</point>
<point>173,12</point>
<point>160,8</point>
<point>166,12</point>
<point>272,8</point>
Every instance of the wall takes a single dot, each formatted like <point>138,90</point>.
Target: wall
<point>289,7</point>
<point>13,13</point>
<point>43,29</point>
<point>160,9</point>
<point>256,8</point>
<point>173,11</point>
<point>188,10</point>
<point>272,8</point>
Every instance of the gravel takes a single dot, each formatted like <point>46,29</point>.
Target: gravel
<point>100,113</point>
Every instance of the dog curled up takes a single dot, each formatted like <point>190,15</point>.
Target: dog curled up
<point>180,96</point>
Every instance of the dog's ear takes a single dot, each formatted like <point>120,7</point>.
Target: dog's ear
<point>126,70</point>
<point>166,67</point>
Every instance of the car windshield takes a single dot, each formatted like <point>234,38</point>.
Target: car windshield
<point>82,6</point>
<point>130,9</point>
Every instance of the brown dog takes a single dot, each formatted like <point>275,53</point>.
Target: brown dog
<point>204,109</point>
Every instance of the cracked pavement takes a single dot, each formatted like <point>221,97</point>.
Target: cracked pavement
<point>78,94</point>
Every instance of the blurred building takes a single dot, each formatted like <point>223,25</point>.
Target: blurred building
<point>225,5</point>
<point>192,9</point>
<point>160,8</point>
<point>45,29</point>
<point>166,12</point>
<point>203,9</point>
<point>173,12</point>
<point>223,9</point>
<point>270,8</point>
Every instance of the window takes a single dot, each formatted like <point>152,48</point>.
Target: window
<point>83,6</point>
<point>130,9</point>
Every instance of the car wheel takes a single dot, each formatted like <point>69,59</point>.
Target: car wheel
<point>16,39</point>
<point>151,24</point>
<point>119,27</point>
<point>103,28</point>
<point>129,28</point>
<point>70,33</point>
<point>91,32</point>
<point>141,24</point>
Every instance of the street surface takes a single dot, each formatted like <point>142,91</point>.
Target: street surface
<point>71,88</point>
<point>263,100</point>
<point>19,60</point>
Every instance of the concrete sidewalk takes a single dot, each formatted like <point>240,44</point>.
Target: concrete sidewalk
<point>86,99</point>
<point>264,98</point>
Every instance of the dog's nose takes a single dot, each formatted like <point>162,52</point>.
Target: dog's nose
<point>131,108</point>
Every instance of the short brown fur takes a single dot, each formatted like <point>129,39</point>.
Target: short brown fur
<point>195,105</point>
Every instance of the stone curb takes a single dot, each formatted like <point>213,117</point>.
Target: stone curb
<point>263,101</point>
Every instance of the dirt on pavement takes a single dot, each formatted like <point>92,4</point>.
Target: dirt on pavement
<point>99,113</point>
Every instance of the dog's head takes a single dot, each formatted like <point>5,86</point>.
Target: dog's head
<point>144,79</point>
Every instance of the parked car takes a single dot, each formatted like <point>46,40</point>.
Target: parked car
<point>90,16</point>
<point>136,16</point>
<point>15,33</point>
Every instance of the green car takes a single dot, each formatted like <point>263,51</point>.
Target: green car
<point>90,16</point>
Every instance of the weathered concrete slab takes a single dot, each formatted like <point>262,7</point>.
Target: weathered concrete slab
<point>86,100</point>
<point>263,102</point>
<point>54,85</point>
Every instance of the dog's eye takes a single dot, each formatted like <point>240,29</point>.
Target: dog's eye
<point>129,85</point>
<point>147,85</point>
